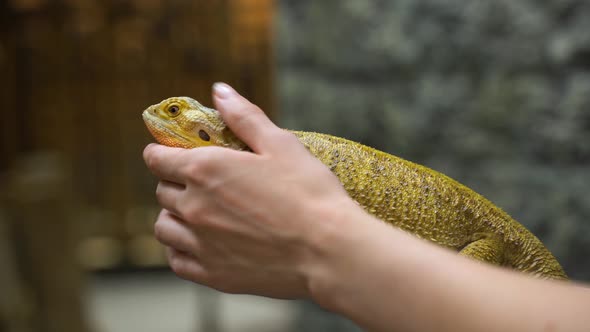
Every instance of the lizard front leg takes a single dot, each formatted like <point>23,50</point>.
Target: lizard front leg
<point>485,247</point>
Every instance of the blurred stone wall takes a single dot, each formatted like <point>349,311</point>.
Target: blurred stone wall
<point>495,93</point>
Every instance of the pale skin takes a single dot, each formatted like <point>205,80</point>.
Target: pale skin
<point>276,222</point>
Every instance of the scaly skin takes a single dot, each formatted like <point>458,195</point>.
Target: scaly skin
<point>412,197</point>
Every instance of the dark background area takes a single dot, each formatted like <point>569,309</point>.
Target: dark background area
<point>494,93</point>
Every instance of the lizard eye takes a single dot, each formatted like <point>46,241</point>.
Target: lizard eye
<point>204,136</point>
<point>173,110</point>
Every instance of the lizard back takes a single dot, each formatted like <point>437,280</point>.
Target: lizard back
<point>427,203</point>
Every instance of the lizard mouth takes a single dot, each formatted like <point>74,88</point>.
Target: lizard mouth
<point>164,132</point>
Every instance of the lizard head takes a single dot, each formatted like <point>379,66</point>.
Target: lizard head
<point>183,122</point>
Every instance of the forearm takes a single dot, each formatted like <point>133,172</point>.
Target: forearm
<point>385,279</point>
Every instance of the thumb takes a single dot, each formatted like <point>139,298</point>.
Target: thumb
<point>246,120</point>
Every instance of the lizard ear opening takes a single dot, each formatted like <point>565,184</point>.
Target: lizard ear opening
<point>204,136</point>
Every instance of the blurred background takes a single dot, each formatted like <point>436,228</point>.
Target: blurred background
<point>495,93</point>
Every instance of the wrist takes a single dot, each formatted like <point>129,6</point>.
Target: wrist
<point>329,266</point>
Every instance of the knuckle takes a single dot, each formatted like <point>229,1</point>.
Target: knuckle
<point>190,209</point>
<point>151,159</point>
<point>195,213</point>
<point>283,138</point>
<point>287,137</point>
<point>166,198</point>
<point>165,234</point>
<point>178,266</point>
<point>161,226</point>
<point>159,230</point>
<point>202,166</point>
<point>193,171</point>
<point>160,192</point>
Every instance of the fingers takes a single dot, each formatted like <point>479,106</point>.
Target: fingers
<point>245,119</point>
<point>166,162</point>
<point>182,166</point>
<point>185,265</point>
<point>169,194</point>
<point>172,232</point>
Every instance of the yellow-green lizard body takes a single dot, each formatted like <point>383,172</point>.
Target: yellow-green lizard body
<point>419,200</point>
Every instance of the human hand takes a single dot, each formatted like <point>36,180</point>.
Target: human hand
<point>244,222</point>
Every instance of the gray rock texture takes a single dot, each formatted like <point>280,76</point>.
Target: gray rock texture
<point>495,93</point>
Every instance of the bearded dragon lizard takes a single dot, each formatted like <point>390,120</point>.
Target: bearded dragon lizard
<point>414,198</point>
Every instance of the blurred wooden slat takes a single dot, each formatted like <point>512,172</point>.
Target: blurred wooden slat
<point>40,211</point>
<point>77,74</point>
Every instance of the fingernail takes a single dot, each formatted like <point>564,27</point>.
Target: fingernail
<point>222,90</point>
